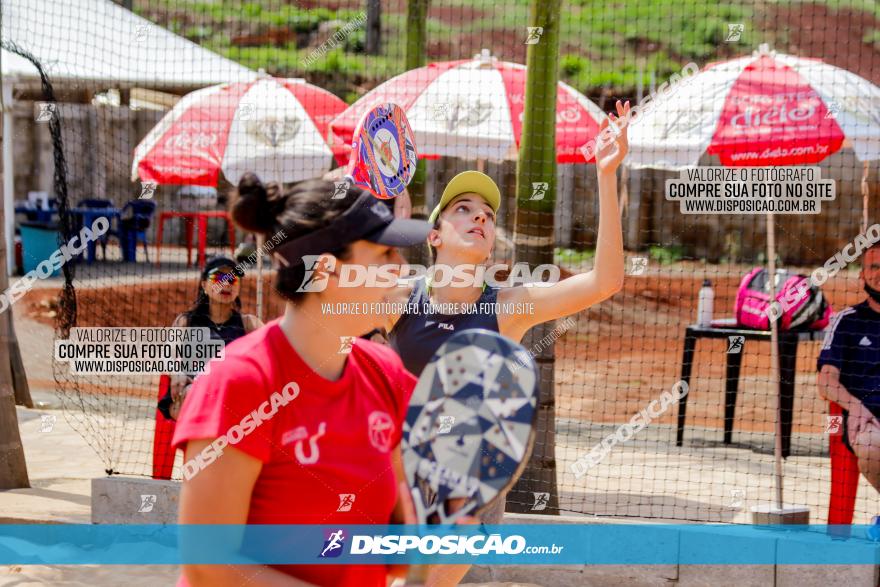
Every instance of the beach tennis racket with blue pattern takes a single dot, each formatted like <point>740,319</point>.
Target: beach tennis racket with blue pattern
<point>470,425</point>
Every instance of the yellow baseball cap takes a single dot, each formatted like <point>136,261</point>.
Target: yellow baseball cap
<point>469,181</point>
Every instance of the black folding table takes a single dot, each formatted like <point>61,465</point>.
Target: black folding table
<point>788,344</point>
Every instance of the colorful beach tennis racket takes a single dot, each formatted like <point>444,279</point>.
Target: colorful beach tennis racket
<point>470,425</point>
<point>384,155</point>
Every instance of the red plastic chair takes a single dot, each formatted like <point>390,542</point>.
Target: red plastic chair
<point>163,453</point>
<point>844,477</point>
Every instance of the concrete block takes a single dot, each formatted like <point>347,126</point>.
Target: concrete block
<point>478,574</point>
<point>825,575</point>
<point>589,575</point>
<point>638,575</point>
<point>575,575</point>
<point>862,555</point>
<point>134,500</point>
<point>547,575</point>
<point>714,575</point>
<point>704,543</point>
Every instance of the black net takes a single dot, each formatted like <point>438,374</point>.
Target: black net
<point>110,73</point>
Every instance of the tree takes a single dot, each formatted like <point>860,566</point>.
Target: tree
<point>533,233</point>
<point>416,33</point>
<point>13,468</point>
<point>374,27</point>
<point>417,56</point>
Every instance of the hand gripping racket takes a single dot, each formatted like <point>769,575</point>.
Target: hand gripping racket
<point>384,157</point>
<point>469,428</point>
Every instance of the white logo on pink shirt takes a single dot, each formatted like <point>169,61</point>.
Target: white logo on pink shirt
<point>298,435</point>
<point>381,428</point>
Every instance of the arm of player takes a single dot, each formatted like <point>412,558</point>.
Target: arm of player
<point>403,205</point>
<point>404,509</point>
<point>581,291</point>
<point>179,381</point>
<point>831,389</point>
<point>201,503</point>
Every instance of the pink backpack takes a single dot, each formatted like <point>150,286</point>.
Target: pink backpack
<point>802,305</point>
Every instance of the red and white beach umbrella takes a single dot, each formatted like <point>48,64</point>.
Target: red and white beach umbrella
<point>473,109</point>
<point>765,109</point>
<point>277,128</point>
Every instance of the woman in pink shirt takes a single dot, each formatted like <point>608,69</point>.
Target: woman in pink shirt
<point>329,407</point>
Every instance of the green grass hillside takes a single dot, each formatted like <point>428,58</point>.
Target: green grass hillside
<point>605,46</point>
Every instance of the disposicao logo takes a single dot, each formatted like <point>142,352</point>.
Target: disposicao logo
<point>333,544</point>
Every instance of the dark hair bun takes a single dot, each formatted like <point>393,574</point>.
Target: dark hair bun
<point>254,207</point>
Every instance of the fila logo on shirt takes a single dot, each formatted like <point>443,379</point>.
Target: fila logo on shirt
<point>865,341</point>
<point>381,428</point>
<point>443,325</point>
<point>299,435</point>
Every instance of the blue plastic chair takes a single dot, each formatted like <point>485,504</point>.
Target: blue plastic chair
<point>96,204</point>
<point>136,217</point>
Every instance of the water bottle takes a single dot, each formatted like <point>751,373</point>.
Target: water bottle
<point>705,304</point>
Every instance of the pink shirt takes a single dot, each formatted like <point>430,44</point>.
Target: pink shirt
<point>332,439</point>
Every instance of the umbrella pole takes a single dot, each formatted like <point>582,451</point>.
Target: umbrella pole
<point>865,194</point>
<point>774,358</point>
<point>260,276</point>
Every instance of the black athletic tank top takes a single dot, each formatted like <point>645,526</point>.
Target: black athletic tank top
<point>228,331</point>
<point>420,330</point>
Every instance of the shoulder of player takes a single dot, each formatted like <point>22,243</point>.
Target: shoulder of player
<point>380,363</point>
<point>841,323</point>
<point>847,316</point>
<point>379,355</point>
<point>246,355</point>
<point>865,311</point>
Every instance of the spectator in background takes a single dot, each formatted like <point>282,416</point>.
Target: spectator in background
<point>849,370</point>
<point>218,307</point>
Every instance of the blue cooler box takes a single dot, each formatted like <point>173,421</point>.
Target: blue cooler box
<point>38,241</point>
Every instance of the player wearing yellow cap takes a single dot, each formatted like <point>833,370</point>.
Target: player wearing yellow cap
<point>463,235</point>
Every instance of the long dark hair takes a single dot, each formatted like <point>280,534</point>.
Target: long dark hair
<point>296,210</point>
<point>202,305</point>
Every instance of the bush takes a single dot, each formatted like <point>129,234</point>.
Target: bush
<point>667,255</point>
<point>355,42</point>
<point>573,64</point>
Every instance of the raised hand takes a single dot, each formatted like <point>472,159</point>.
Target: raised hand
<point>611,153</point>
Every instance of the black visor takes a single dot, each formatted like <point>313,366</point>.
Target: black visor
<point>368,219</point>
<point>217,262</point>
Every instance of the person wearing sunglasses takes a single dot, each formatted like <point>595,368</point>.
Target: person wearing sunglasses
<point>218,308</point>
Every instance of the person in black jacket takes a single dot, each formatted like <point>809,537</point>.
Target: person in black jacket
<point>849,370</point>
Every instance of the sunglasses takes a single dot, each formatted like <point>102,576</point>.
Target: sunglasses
<point>218,276</point>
